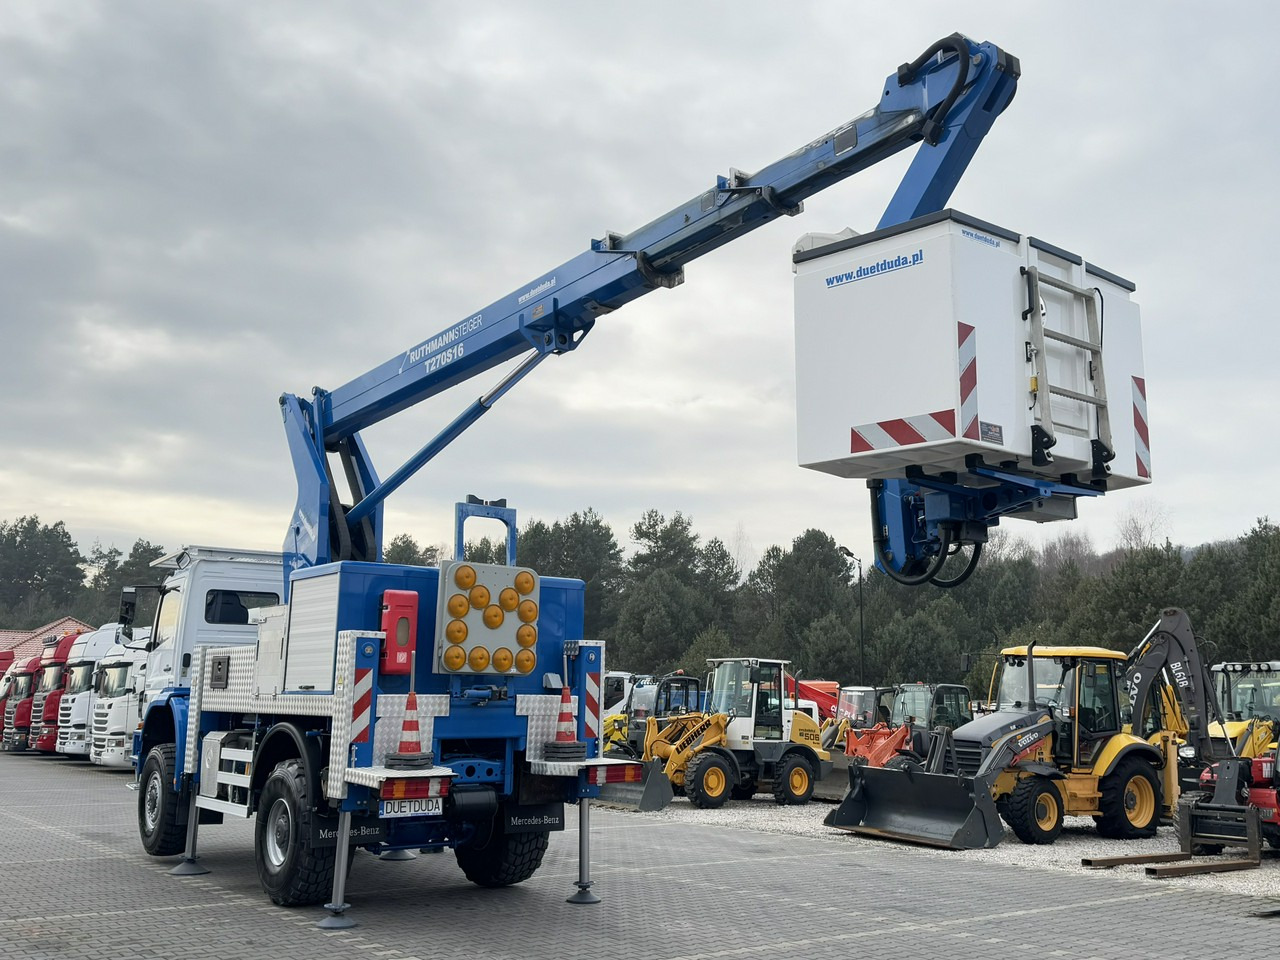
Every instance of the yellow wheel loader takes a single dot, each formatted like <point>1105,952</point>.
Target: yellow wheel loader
<point>751,738</point>
<point>1077,731</point>
<point>649,700</point>
<point>662,698</point>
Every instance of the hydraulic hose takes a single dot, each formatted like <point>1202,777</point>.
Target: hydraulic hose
<point>964,574</point>
<point>956,43</point>
<point>878,538</point>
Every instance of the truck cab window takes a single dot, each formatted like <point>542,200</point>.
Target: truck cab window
<point>233,606</point>
<point>166,627</point>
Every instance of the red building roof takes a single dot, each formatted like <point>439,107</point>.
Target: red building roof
<point>29,643</point>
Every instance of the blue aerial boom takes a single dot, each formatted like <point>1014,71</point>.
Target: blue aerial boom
<point>945,100</point>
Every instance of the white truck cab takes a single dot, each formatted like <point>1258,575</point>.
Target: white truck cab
<point>119,677</point>
<point>76,708</point>
<point>206,600</point>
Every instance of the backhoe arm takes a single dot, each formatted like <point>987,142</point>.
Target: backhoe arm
<point>1169,656</point>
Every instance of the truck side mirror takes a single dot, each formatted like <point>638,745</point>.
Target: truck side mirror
<point>128,609</point>
<point>966,662</point>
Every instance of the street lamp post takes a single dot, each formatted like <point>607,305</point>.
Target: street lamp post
<point>862,647</point>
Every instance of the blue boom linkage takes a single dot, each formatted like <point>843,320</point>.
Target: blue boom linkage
<point>946,100</point>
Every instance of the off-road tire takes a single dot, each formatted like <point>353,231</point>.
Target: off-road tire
<point>708,781</point>
<point>793,784</point>
<point>158,827</point>
<point>503,859</point>
<point>744,790</point>
<point>290,869</point>
<point>1034,811</point>
<point>1123,799</point>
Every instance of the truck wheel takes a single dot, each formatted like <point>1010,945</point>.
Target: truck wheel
<point>1034,811</point>
<point>1130,802</point>
<point>504,858</point>
<point>794,783</point>
<point>290,869</point>
<point>158,827</point>
<point>708,781</point>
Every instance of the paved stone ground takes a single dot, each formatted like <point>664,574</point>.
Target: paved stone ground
<point>74,883</point>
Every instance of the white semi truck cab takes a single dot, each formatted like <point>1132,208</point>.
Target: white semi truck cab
<point>114,710</point>
<point>76,707</point>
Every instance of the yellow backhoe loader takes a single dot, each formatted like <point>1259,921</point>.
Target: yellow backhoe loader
<point>1078,731</point>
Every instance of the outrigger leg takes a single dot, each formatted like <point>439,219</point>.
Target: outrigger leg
<point>583,883</point>
<point>337,907</point>
<point>189,867</point>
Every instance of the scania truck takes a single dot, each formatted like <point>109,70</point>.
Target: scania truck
<point>6,684</point>
<point>76,706</point>
<point>48,693</point>
<point>17,708</point>
<point>117,691</point>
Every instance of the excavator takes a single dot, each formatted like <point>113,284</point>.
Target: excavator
<point>1077,731</point>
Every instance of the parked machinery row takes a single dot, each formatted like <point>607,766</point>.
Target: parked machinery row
<point>79,697</point>
<point>1083,731</point>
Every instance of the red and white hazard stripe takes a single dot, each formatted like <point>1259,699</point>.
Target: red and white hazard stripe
<point>360,709</point>
<point>593,705</point>
<point>968,353</point>
<point>1141,442</point>
<point>903,432</point>
<point>928,427</point>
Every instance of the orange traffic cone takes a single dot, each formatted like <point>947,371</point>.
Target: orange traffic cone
<point>566,745</point>
<point>410,753</point>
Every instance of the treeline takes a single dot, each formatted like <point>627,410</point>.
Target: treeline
<point>677,599</point>
<point>674,599</point>
<point>45,576</point>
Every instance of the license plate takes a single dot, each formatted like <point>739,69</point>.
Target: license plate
<point>412,807</point>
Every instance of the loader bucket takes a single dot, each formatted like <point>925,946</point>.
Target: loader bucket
<point>651,793</point>
<point>933,809</point>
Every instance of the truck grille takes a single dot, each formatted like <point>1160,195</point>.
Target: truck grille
<point>37,712</point>
<point>10,709</point>
<point>965,759</point>
<point>64,712</point>
<point>101,714</point>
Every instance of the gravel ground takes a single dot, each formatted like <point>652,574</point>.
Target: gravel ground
<point>1078,840</point>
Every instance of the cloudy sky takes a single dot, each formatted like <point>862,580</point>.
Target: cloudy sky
<point>203,205</point>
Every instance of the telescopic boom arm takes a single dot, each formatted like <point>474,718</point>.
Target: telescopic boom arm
<point>946,100</point>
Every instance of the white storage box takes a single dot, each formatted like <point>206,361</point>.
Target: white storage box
<point>915,347</point>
